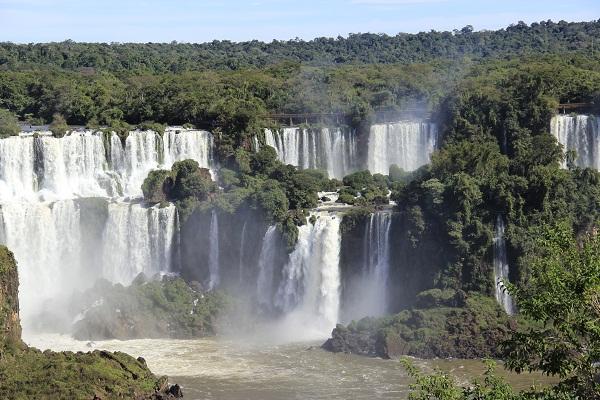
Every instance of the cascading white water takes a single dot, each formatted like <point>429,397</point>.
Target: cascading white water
<point>333,150</point>
<point>242,252</point>
<point>408,144</point>
<point>213,255</point>
<point>501,268</point>
<point>17,174</point>
<point>377,262</point>
<point>309,292</point>
<point>137,239</point>
<point>580,133</point>
<point>366,289</point>
<point>76,165</point>
<point>45,238</point>
<point>48,230</point>
<point>266,268</point>
<point>187,144</point>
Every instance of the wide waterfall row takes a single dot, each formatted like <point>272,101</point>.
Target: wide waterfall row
<point>501,268</point>
<point>407,144</point>
<point>66,245</point>
<point>331,150</point>
<point>88,164</point>
<point>580,134</point>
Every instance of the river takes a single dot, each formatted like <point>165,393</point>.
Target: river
<point>231,370</point>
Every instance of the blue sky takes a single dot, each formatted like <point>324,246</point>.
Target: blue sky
<point>25,21</point>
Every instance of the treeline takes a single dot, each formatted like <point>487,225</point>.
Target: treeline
<point>519,39</point>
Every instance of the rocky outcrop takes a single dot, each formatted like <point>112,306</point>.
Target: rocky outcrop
<point>28,373</point>
<point>159,308</point>
<point>448,324</point>
<point>10,327</point>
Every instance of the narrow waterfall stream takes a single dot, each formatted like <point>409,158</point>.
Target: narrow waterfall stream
<point>213,256</point>
<point>501,268</point>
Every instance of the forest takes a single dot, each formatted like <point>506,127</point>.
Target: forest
<point>492,93</point>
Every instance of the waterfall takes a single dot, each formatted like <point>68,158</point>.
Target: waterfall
<point>377,262</point>
<point>187,144</point>
<point>581,134</point>
<point>80,164</point>
<point>137,239</point>
<point>17,174</point>
<point>213,256</point>
<point>407,144</point>
<point>45,239</point>
<point>332,150</point>
<point>266,264</point>
<point>242,246</point>
<point>309,292</point>
<point>501,268</point>
<point>366,282</point>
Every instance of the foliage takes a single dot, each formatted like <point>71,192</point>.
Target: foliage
<point>563,294</point>
<point>167,308</point>
<point>58,126</point>
<point>9,124</point>
<point>444,324</point>
<point>93,58</point>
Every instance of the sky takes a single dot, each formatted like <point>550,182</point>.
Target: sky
<point>25,21</point>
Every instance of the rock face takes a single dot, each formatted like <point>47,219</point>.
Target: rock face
<point>10,327</point>
<point>27,373</point>
<point>445,324</point>
<point>159,308</point>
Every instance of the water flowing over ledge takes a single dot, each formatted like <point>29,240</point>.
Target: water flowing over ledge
<point>333,150</point>
<point>408,144</point>
<point>579,133</point>
<point>501,268</point>
<point>93,164</point>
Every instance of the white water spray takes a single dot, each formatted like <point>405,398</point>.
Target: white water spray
<point>310,289</point>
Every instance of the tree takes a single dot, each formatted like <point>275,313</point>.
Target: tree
<point>9,125</point>
<point>191,180</point>
<point>563,295</point>
<point>157,185</point>
<point>59,126</point>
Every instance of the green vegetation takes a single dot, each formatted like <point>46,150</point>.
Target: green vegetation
<point>259,180</point>
<point>27,373</point>
<point>167,308</point>
<point>443,324</point>
<point>58,126</point>
<point>518,39</point>
<point>9,124</point>
<point>561,296</point>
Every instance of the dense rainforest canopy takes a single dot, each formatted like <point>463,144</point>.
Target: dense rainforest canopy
<point>519,39</point>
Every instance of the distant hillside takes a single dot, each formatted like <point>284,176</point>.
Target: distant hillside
<point>517,39</point>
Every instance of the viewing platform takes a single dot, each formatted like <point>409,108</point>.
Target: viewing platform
<point>574,107</point>
<point>380,117</point>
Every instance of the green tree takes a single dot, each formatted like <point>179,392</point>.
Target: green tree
<point>9,124</point>
<point>59,126</point>
<point>563,295</point>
